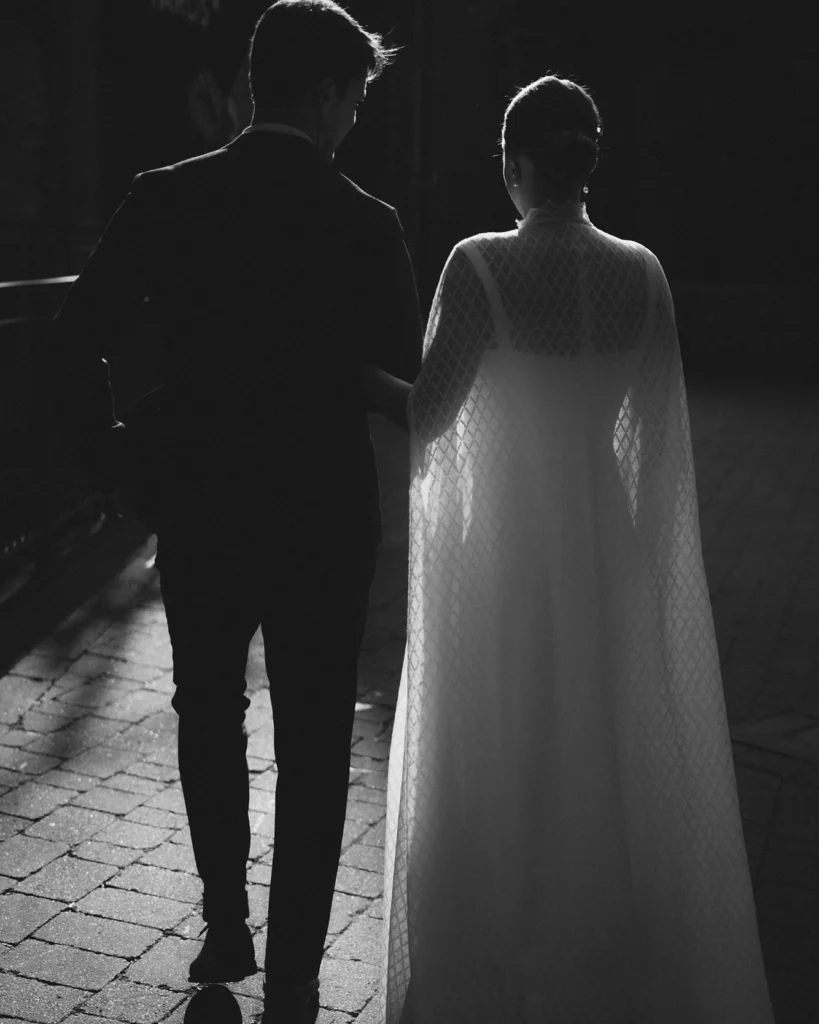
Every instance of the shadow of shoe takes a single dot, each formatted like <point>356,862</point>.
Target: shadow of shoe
<point>213,1005</point>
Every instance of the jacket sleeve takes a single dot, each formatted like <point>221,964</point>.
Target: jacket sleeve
<point>110,290</point>
<point>392,329</point>
<point>79,403</point>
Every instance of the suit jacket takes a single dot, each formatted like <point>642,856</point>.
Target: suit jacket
<point>273,277</point>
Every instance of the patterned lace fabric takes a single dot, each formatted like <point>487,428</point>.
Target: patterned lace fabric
<point>563,838</point>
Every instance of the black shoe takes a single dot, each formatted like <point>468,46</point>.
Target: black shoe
<point>227,955</point>
<point>292,1004</point>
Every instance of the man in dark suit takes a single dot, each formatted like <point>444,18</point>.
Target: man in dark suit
<point>275,279</point>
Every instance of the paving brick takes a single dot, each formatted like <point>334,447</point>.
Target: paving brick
<point>366,794</point>
<point>153,735</point>
<point>169,800</point>
<point>159,819</point>
<point>20,915</point>
<point>67,878</point>
<point>373,748</point>
<point>156,881</point>
<point>373,712</point>
<point>361,941</point>
<point>129,833</point>
<point>102,762</point>
<point>134,706</point>
<point>106,853</point>
<point>358,882</point>
<point>10,824</point>
<point>37,721</point>
<point>103,798</point>
<point>366,763</point>
<point>18,760</point>
<point>20,855</point>
<point>9,779</point>
<point>368,858</point>
<point>164,684</point>
<point>149,770</point>
<point>36,666</point>
<point>91,695</point>
<point>133,784</point>
<point>81,735</point>
<point>17,737</point>
<point>137,1004</point>
<point>365,811</point>
<point>46,961</point>
<point>263,824</point>
<point>183,837</point>
<point>368,728</point>
<point>139,673</point>
<point>345,908</point>
<point>375,780</point>
<point>133,907</point>
<point>90,666</point>
<point>265,780</point>
<point>375,835</point>
<point>175,856</point>
<point>262,800</point>
<point>56,708</point>
<point>30,1000</point>
<point>376,909</point>
<point>34,800</point>
<point>70,824</point>
<point>101,935</point>
<point>259,874</point>
<point>69,780</point>
<point>191,927</point>
<point>347,985</point>
<point>353,831</point>
<point>166,964</point>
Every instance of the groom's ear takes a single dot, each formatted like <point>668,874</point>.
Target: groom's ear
<point>326,92</point>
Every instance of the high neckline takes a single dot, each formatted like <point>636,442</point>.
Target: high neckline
<point>552,212</point>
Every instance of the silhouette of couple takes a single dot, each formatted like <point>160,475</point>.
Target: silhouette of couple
<point>563,839</point>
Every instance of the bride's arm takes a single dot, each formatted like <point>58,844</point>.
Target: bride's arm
<point>385,394</point>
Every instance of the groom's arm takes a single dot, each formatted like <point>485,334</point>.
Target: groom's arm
<point>392,332</point>
<point>110,289</point>
<point>385,394</point>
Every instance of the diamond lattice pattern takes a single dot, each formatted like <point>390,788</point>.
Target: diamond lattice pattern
<point>563,838</point>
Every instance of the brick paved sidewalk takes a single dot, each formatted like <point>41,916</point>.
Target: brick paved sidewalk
<point>99,905</point>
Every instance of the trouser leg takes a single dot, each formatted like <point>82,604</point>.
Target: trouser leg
<point>210,613</point>
<point>313,673</point>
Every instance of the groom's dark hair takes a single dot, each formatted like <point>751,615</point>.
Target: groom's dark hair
<point>297,43</point>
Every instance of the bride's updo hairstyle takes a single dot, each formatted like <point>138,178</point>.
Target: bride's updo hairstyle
<point>555,122</point>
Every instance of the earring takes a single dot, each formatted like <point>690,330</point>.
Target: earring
<point>586,189</point>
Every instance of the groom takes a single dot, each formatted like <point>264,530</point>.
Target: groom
<point>274,279</point>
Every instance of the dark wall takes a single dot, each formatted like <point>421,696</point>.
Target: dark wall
<point>709,155</point>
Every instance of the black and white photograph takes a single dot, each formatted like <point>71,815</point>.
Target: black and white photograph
<point>409,512</point>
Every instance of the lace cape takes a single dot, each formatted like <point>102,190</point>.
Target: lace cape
<point>563,841</point>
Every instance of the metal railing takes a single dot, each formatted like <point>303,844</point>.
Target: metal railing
<point>47,508</point>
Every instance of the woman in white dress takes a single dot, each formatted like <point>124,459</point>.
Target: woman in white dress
<point>563,841</point>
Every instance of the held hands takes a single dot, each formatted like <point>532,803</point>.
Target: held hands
<point>385,394</point>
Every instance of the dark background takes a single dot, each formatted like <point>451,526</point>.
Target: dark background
<point>709,149</point>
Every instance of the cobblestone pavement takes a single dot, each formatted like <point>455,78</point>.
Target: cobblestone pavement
<point>99,906</point>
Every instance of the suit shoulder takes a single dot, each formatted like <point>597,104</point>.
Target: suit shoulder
<point>375,207</point>
<point>195,166</point>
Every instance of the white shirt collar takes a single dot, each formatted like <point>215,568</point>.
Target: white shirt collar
<point>284,129</point>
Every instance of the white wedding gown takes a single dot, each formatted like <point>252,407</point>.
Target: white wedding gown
<point>563,839</point>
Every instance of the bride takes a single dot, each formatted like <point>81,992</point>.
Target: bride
<point>563,839</point>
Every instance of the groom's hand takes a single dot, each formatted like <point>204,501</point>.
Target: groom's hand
<point>385,394</point>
